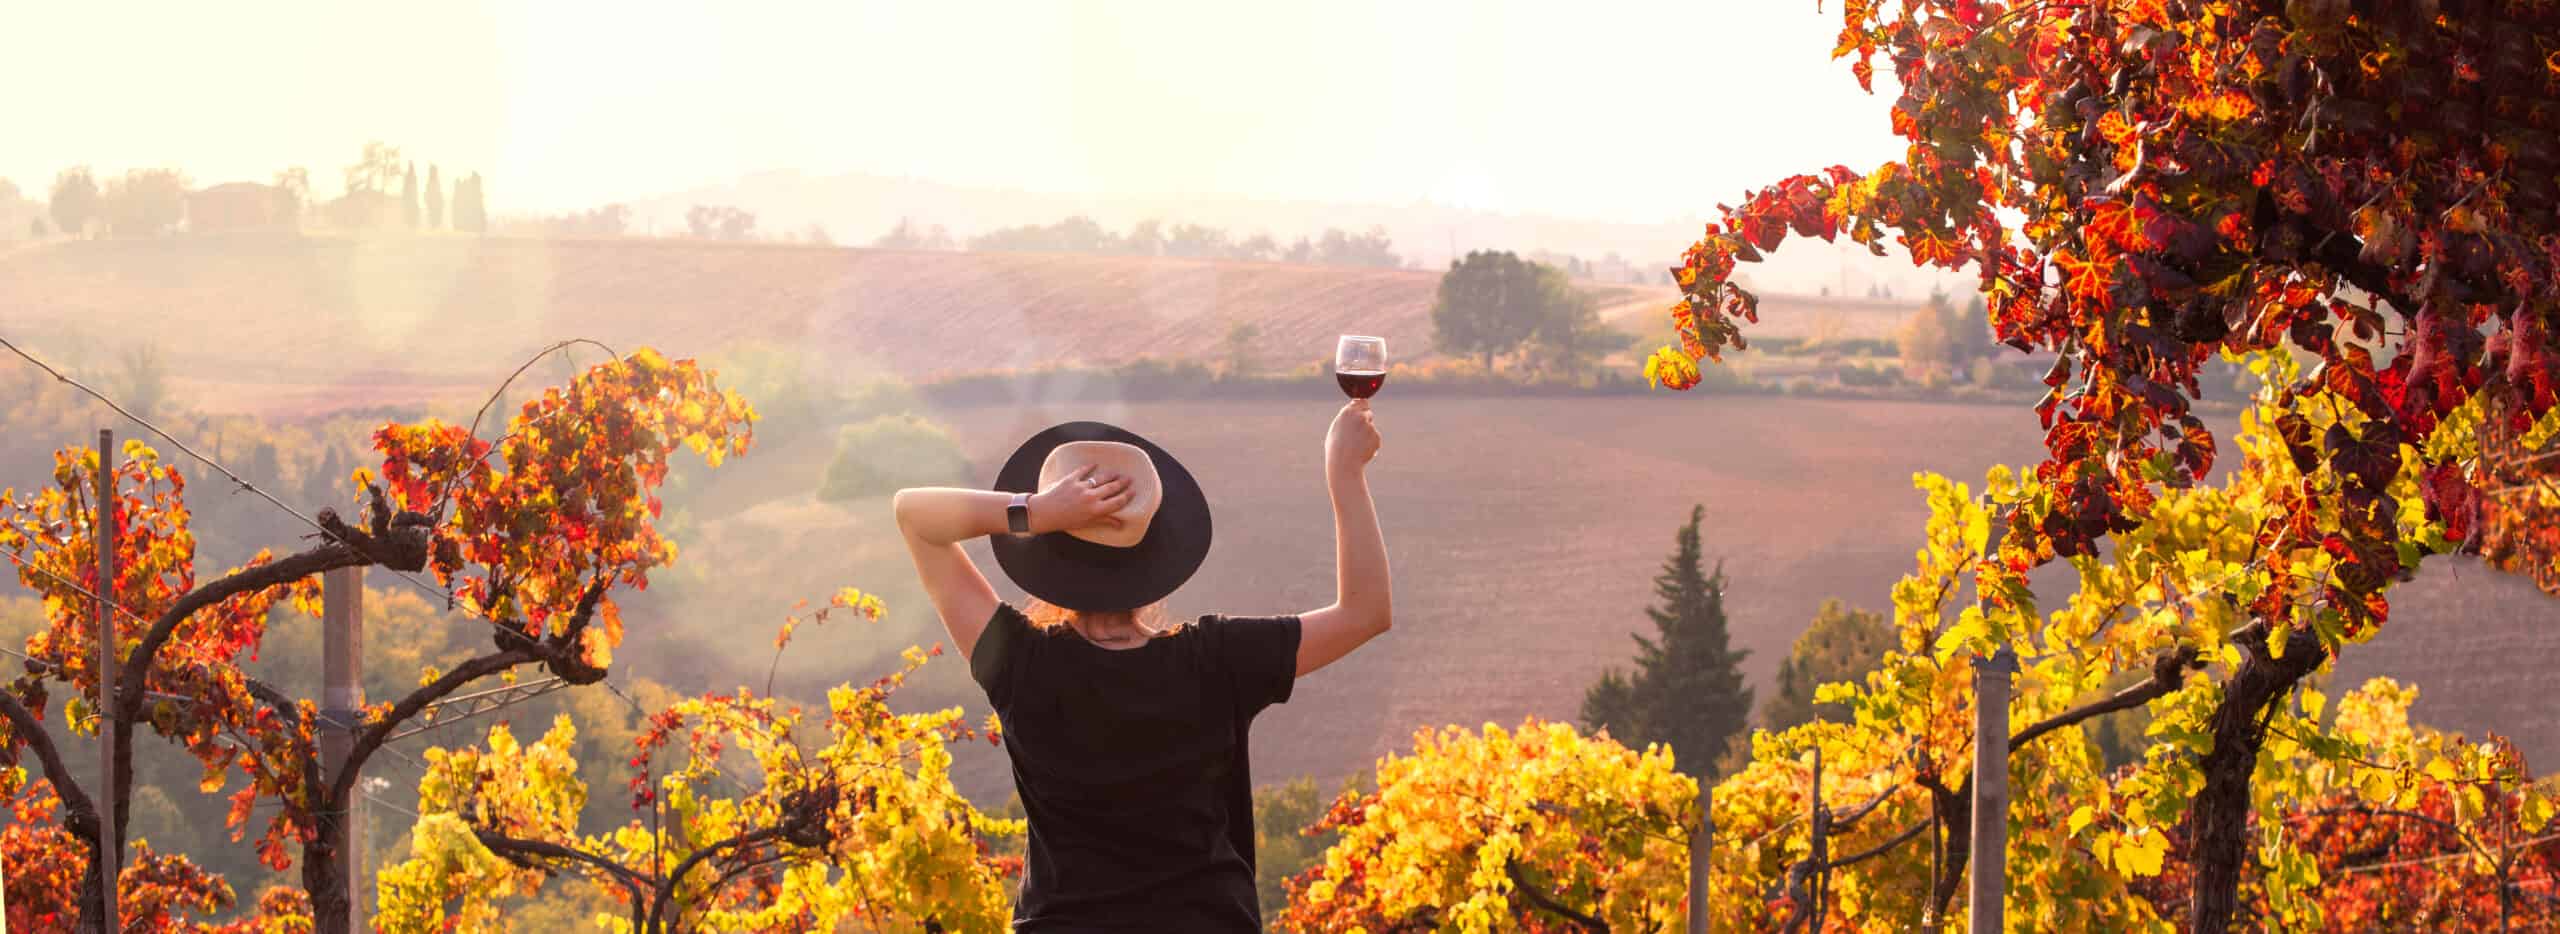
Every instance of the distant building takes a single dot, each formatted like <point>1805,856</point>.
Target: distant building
<point>234,206</point>
<point>364,209</point>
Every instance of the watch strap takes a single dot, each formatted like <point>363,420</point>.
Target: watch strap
<point>1017,514</point>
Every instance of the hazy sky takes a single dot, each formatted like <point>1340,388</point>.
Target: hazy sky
<point>1621,111</point>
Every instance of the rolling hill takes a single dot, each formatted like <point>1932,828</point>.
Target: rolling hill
<point>288,325</point>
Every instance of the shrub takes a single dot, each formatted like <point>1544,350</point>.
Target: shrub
<point>881,397</point>
<point>1855,375</point>
<point>887,453</point>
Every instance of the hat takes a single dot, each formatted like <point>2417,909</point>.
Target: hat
<point>1164,532</point>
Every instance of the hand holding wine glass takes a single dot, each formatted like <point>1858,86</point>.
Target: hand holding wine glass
<point>1360,365</point>
<point>1352,440</point>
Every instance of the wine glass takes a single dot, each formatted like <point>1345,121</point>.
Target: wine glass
<point>1360,365</point>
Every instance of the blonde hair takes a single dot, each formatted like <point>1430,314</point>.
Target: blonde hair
<point>1150,619</point>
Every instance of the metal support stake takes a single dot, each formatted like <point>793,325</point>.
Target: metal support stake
<point>1989,863</point>
<point>341,707</point>
<point>104,535</point>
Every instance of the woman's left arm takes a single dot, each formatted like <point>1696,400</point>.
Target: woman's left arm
<point>1364,602</point>
<point>935,520</point>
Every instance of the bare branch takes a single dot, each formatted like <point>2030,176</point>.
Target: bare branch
<point>1847,822</point>
<point>1906,836</point>
<point>523,852</point>
<point>667,886</point>
<point>1539,899</point>
<point>26,727</point>
<point>374,735</point>
<point>2167,673</point>
<point>137,667</point>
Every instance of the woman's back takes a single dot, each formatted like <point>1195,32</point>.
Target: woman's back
<point>1132,767</point>
<point>1129,744</point>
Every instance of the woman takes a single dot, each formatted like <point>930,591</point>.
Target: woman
<point>1127,735</point>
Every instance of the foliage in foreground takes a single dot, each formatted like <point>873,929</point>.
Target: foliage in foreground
<point>532,546</point>
<point>1878,841</point>
<point>1539,829</point>
<point>2193,178</point>
<point>746,830</point>
<point>2170,605</point>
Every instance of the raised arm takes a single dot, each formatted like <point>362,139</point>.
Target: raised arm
<point>935,520</point>
<point>1363,605</point>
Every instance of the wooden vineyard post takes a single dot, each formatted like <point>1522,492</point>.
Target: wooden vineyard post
<point>341,708</point>
<point>1701,843</point>
<point>104,536</point>
<point>1989,861</point>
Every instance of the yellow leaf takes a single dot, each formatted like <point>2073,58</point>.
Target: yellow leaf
<point>2440,769</point>
<point>2143,855</point>
<point>2080,818</point>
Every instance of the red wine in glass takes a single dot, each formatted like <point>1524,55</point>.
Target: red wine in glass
<point>1360,365</point>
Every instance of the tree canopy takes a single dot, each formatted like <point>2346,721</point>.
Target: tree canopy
<point>1842,644</point>
<point>1492,303</point>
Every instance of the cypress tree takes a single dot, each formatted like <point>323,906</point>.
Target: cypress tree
<point>1686,689</point>
<point>435,199</point>
<point>409,197</point>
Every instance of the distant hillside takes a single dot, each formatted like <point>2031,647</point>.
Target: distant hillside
<point>294,325</point>
<point>857,208</point>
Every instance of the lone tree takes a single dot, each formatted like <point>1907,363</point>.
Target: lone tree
<point>1492,303</point>
<point>719,222</point>
<point>144,202</point>
<point>470,204</point>
<point>2370,185</point>
<point>1687,690</point>
<point>1934,343</point>
<point>1843,644</point>
<point>375,169</point>
<point>410,209</point>
<point>435,198</point>
<point>73,201</point>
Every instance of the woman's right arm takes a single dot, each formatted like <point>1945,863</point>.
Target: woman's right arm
<point>1363,604</point>
<point>935,520</point>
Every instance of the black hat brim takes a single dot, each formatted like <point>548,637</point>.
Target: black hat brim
<point>1070,572</point>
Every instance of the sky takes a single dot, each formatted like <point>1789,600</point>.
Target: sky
<point>1637,112</point>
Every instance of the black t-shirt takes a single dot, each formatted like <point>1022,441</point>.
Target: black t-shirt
<point>1132,768</point>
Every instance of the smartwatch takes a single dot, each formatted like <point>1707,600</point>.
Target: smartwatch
<point>1017,514</point>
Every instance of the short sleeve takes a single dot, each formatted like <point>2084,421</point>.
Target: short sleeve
<point>993,659</point>
<point>1258,655</point>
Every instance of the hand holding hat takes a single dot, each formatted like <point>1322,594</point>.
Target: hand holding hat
<point>1117,523</point>
<point>1099,491</point>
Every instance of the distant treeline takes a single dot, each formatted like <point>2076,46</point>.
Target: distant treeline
<point>383,192</point>
<point>1082,234</point>
<point>1149,379</point>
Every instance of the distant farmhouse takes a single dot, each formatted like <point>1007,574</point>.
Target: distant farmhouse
<point>242,206</point>
<point>364,209</point>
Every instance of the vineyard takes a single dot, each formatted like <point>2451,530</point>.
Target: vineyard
<point>2144,659</point>
<point>1457,497</point>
